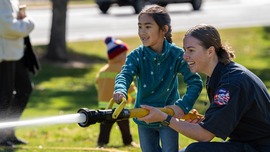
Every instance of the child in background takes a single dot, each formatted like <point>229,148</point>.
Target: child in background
<point>156,65</point>
<point>117,51</point>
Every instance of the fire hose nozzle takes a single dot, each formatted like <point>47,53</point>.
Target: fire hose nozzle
<point>88,113</point>
<point>101,116</point>
<point>108,115</point>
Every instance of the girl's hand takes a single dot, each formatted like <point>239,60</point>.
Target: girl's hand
<point>178,112</point>
<point>154,115</point>
<point>118,96</point>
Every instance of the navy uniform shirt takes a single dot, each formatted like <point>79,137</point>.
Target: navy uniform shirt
<point>240,105</point>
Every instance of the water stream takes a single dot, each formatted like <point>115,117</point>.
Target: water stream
<point>70,118</point>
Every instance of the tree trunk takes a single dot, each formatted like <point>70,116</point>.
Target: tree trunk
<point>57,49</point>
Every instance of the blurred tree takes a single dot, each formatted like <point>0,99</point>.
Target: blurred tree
<point>57,49</point>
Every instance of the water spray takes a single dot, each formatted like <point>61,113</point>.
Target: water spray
<point>70,118</point>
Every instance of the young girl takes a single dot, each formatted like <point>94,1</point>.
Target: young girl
<point>156,64</point>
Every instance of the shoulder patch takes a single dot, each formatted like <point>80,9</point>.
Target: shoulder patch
<point>222,97</point>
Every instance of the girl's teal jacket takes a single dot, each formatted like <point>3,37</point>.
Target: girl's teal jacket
<point>157,78</point>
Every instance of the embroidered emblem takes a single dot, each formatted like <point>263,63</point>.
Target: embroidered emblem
<point>222,97</point>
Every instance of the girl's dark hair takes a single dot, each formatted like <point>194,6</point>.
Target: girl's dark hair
<point>161,17</point>
<point>209,36</point>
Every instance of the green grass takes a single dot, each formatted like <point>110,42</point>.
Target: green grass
<point>65,88</point>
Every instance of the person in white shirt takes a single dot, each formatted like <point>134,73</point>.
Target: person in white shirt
<point>14,26</point>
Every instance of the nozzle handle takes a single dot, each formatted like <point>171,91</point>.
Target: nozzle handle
<point>118,110</point>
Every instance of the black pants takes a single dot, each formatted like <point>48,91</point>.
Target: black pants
<point>224,147</point>
<point>105,130</point>
<point>22,91</point>
<point>7,77</point>
<point>15,90</point>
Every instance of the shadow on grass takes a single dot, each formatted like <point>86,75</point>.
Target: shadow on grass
<point>7,149</point>
<point>266,32</point>
<point>73,56</point>
<point>72,100</point>
<point>264,75</point>
<point>77,67</point>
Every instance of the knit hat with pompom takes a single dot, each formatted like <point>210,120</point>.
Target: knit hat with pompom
<point>114,47</point>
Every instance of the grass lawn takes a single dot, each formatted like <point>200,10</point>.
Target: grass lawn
<point>63,88</point>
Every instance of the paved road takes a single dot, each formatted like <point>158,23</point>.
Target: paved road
<point>87,23</point>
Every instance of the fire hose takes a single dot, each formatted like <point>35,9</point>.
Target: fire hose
<point>110,115</point>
